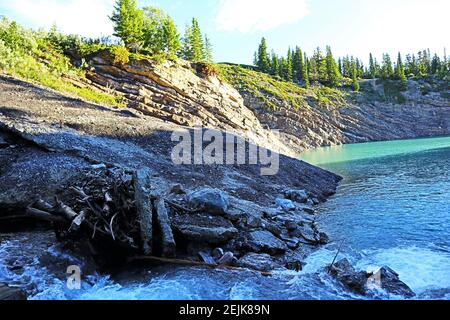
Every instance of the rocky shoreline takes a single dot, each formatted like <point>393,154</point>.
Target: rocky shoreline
<point>103,179</point>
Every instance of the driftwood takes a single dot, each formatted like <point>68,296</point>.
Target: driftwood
<point>168,245</point>
<point>142,189</point>
<point>152,259</point>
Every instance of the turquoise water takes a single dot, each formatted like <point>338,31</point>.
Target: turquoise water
<point>393,208</point>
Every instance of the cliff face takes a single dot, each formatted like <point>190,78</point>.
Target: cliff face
<point>326,117</point>
<point>250,103</point>
<point>174,92</point>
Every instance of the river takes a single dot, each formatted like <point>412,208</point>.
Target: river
<point>392,208</point>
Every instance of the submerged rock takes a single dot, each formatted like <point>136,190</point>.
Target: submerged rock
<point>266,242</point>
<point>213,201</point>
<point>364,283</point>
<point>344,272</point>
<point>389,280</point>
<point>257,261</point>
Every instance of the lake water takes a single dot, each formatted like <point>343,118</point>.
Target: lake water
<point>392,208</point>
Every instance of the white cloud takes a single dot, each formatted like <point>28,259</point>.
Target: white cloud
<point>85,17</point>
<point>258,15</point>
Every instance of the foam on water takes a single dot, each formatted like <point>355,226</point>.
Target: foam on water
<point>420,268</point>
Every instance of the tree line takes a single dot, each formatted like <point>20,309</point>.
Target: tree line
<point>150,30</point>
<point>322,67</point>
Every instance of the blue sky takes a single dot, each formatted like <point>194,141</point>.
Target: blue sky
<point>236,26</point>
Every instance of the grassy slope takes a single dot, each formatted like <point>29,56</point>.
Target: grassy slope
<point>28,55</point>
<point>267,88</point>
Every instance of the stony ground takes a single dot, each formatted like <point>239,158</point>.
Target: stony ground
<point>49,142</point>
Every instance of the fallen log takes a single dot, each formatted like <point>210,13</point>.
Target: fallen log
<point>168,245</point>
<point>142,194</point>
<point>152,259</point>
<point>45,216</point>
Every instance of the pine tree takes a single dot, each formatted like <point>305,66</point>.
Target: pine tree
<point>355,78</point>
<point>298,65</point>
<point>372,68</point>
<point>289,67</point>
<point>435,64</point>
<point>263,57</point>
<point>196,41</point>
<point>387,70</point>
<point>128,22</point>
<point>332,70</point>
<point>171,36</point>
<point>193,46</point>
<point>305,72</point>
<point>400,72</point>
<point>208,51</point>
<point>274,65</point>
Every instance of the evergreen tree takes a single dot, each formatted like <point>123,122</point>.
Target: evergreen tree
<point>332,70</point>
<point>387,70</point>
<point>171,36</point>
<point>435,64</point>
<point>355,78</point>
<point>305,72</point>
<point>400,72</point>
<point>263,57</point>
<point>298,65</point>
<point>193,46</point>
<point>372,68</point>
<point>289,67</point>
<point>208,51</point>
<point>128,22</point>
<point>275,65</point>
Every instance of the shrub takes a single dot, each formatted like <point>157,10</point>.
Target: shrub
<point>206,70</point>
<point>119,54</point>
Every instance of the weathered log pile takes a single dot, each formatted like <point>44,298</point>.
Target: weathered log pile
<point>103,209</point>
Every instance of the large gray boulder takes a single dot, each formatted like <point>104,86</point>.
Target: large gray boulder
<point>202,228</point>
<point>257,261</point>
<point>344,272</point>
<point>266,242</point>
<point>389,280</point>
<point>212,201</point>
<point>299,196</point>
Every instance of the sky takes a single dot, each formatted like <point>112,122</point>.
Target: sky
<point>355,27</point>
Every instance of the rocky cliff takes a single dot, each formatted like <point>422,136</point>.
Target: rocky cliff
<point>325,117</point>
<point>252,104</point>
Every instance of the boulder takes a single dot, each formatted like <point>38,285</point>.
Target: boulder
<point>299,196</point>
<point>285,204</point>
<point>213,201</point>
<point>204,228</point>
<point>218,253</point>
<point>8,293</point>
<point>177,189</point>
<point>389,280</point>
<point>254,261</point>
<point>266,242</point>
<point>227,259</point>
<point>254,222</point>
<point>344,272</point>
